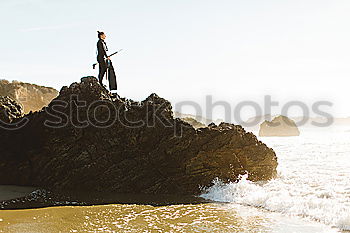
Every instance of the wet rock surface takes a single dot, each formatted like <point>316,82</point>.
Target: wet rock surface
<point>38,199</point>
<point>87,139</point>
<point>42,198</point>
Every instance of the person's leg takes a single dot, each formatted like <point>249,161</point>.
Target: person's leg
<point>102,71</point>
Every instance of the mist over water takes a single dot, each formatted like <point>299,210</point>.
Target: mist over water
<point>313,180</point>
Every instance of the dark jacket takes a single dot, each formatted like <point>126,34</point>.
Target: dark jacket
<point>101,50</point>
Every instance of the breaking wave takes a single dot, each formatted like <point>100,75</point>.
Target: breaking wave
<point>313,181</point>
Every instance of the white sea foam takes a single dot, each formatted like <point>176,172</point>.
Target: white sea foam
<point>313,180</point>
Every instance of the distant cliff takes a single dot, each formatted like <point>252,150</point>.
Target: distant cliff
<point>280,126</point>
<point>198,120</point>
<point>32,97</point>
<point>196,124</point>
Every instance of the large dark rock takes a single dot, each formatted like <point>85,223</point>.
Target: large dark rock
<point>140,148</point>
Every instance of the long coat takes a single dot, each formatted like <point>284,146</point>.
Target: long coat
<point>101,50</point>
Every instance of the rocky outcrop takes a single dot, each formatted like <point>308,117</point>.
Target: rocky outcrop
<point>87,139</point>
<point>32,97</point>
<point>280,126</point>
<point>9,109</point>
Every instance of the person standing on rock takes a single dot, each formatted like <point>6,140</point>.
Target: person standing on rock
<point>102,55</point>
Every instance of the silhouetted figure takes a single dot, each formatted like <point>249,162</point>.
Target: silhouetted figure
<point>102,55</point>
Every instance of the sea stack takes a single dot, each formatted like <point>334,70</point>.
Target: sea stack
<point>88,139</point>
<point>280,126</point>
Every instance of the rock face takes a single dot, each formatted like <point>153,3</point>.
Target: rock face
<point>9,109</point>
<point>86,139</point>
<point>280,126</point>
<point>31,97</point>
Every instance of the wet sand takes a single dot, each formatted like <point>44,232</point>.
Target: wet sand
<point>156,214</point>
<point>212,217</point>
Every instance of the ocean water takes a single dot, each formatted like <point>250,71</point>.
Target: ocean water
<point>310,194</point>
<point>313,180</point>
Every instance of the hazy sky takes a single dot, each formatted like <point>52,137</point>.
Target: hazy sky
<point>186,49</point>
